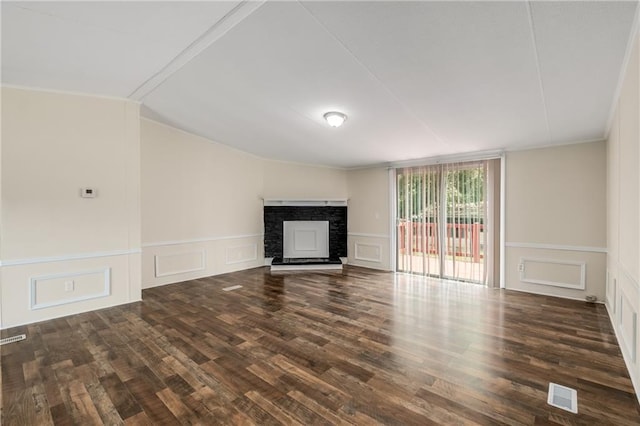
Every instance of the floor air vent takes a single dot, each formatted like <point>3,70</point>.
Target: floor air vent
<point>8,340</point>
<point>233,287</point>
<point>563,397</point>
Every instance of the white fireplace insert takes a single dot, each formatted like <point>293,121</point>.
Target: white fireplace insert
<point>305,239</point>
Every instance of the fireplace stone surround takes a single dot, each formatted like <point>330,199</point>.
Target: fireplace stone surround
<point>276,212</point>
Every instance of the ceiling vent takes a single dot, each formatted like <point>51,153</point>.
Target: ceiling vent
<point>563,397</point>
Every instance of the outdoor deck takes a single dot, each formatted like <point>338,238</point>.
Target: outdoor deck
<point>419,249</point>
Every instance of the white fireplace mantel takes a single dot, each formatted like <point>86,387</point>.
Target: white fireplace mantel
<point>305,202</point>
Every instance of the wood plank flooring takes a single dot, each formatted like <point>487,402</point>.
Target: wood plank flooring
<point>351,347</point>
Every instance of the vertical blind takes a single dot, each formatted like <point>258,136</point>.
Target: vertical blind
<point>442,220</point>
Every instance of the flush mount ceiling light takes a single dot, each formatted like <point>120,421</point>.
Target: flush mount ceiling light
<point>335,118</point>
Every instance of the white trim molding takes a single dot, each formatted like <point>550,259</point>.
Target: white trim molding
<point>253,257</point>
<point>219,28</point>
<point>34,260</point>
<point>356,256</point>
<point>454,158</point>
<point>542,246</point>
<point>68,92</point>
<point>157,258</point>
<point>503,221</point>
<point>311,202</point>
<point>201,240</point>
<point>361,234</point>
<point>574,286</point>
<point>33,288</point>
<point>542,293</point>
<point>611,291</point>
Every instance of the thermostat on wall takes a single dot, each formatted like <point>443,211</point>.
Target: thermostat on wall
<point>88,193</point>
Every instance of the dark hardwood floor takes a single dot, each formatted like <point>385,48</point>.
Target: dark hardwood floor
<point>353,347</point>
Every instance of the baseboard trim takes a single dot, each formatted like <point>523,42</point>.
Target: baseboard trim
<point>539,293</point>
<point>368,266</point>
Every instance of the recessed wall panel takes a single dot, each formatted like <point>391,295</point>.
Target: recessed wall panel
<point>179,263</point>
<point>242,253</point>
<point>558,273</point>
<point>60,289</point>
<point>368,252</point>
<point>628,326</point>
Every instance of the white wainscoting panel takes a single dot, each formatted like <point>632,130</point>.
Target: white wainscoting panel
<point>610,292</point>
<point>182,260</point>
<point>179,263</point>
<point>241,253</point>
<point>69,287</point>
<point>43,291</point>
<point>563,279</point>
<point>368,252</point>
<point>628,326</point>
<point>625,319</point>
<point>552,272</point>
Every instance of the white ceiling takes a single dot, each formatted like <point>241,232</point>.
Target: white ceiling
<point>417,79</point>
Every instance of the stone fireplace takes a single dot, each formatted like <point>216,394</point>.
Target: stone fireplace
<point>305,232</point>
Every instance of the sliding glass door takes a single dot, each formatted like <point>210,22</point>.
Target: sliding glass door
<point>442,220</point>
<point>419,193</point>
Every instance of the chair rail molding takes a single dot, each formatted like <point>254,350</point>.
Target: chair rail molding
<point>63,258</point>
<point>544,246</point>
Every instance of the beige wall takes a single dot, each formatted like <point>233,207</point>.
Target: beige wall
<point>369,210</point>
<point>52,145</point>
<point>623,217</point>
<point>202,203</point>
<point>201,206</point>
<point>195,188</point>
<point>287,181</point>
<point>555,220</point>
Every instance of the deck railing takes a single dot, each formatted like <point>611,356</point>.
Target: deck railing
<point>462,239</point>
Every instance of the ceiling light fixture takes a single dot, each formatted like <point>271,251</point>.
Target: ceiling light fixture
<point>335,118</point>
